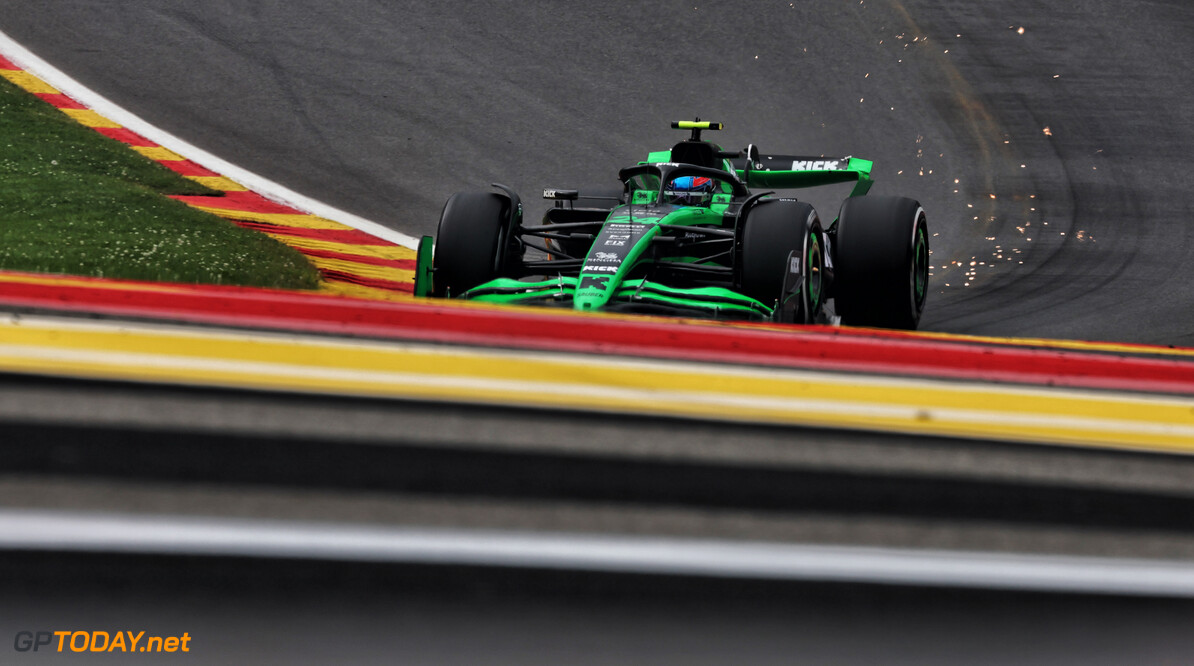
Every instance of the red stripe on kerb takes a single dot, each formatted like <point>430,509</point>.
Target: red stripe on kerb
<point>244,201</point>
<point>60,101</point>
<point>126,136</point>
<point>405,264</point>
<point>5,63</point>
<point>187,168</point>
<point>375,283</point>
<point>437,321</point>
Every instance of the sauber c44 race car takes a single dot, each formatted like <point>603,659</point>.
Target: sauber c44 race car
<point>686,235</point>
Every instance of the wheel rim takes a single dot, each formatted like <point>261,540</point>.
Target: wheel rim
<point>920,267</point>
<point>813,263</point>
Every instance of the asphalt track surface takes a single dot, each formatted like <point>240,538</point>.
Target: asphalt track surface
<point>385,109</point>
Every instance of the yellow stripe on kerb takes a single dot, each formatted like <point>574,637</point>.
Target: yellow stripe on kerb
<point>159,153</point>
<point>280,219</point>
<point>338,288</point>
<point>89,118</point>
<point>29,82</point>
<point>391,252</point>
<point>606,384</point>
<point>363,270</point>
<point>219,183</point>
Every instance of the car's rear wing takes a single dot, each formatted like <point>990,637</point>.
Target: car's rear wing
<point>793,171</point>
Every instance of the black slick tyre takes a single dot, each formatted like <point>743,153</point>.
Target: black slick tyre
<point>882,262</point>
<point>773,231</point>
<point>468,242</point>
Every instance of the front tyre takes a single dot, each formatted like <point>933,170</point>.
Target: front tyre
<point>882,262</point>
<point>774,233</point>
<point>468,244</point>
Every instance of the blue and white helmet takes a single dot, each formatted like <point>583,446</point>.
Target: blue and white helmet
<point>690,191</point>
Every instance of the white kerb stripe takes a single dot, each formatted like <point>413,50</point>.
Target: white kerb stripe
<point>25,59</point>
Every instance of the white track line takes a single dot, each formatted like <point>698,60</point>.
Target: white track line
<point>61,531</point>
<point>25,59</point>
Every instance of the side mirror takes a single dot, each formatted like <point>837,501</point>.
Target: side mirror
<point>564,195</point>
<point>560,196</point>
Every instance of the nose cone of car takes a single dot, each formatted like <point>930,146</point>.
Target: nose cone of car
<point>593,292</point>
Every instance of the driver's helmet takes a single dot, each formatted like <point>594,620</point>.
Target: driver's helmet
<point>690,191</point>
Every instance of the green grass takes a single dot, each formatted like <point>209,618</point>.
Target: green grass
<point>75,202</point>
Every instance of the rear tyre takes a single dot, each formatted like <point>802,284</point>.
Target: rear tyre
<point>882,262</point>
<point>772,231</point>
<point>468,246</point>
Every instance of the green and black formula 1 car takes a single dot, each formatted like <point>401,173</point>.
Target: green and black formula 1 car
<point>686,235</point>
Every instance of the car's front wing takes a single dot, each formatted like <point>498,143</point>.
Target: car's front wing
<point>635,295</point>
